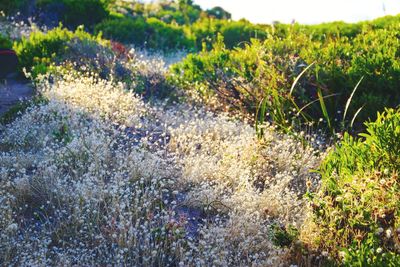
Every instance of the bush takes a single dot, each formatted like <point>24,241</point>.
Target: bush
<point>333,30</point>
<point>40,49</point>
<point>356,210</point>
<point>12,6</point>
<point>166,37</point>
<point>205,31</point>
<point>235,33</point>
<point>151,33</point>
<point>218,13</point>
<point>5,42</point>
<point>243,77</point>
<point>339,64</point>
<point>238,32</point>
<point>125,30</point>
<point>74,13</point>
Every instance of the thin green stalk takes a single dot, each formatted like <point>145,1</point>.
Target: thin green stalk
<point>324,110</point>
<point>349,100</point>
<point>298,78</point>
<point>355,116</point>
<point>260,116</point>
<point>312,102</point>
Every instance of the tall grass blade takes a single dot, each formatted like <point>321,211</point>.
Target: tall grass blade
<point>298,78</point>
<point>312,102</point>
<point>260,116</point>
<point>355,116</point>
<point>349,100</point>
<point>323,108</point>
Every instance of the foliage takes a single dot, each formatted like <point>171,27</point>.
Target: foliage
<point>172,12</point>
<point>5,42</point>
<point>40,49</point>
<point>218,13</point>
<point>124,30</point>
<point>74,13</point>
<point>235,33</point>
<point>284,237</point>
<point>166,37</point>
<point>323,92</point>
<point>10,7</point>
<point>239,32</point>
<point>244,77</point>
<point>356,210</point>
<point>151,33</point>
<point>332,30</point>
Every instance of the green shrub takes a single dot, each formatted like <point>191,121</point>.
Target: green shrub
<point>12,6</point>
<point>375,55</point>
<point>323,91</point>
<point>243,77</point>
<point>160,35</point>
<point>333,30</point>
<point>74,13</point>
<point>238,32</point>
<point>205,31</point>
<point>386,22</point>
<point>218,13</point>
<point>235,33</point>
<point>125,30</point>
<point>5,42</point>
<point>340,63</point>
<point>40,49</point>
<point>151,33</point>
<point>356,210</point>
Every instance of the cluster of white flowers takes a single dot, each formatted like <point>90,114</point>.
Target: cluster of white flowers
<point>148,59</point>
<point>74,190</point>
<point>253,183</point>
<point>15,29</point>
<point>95,176</point>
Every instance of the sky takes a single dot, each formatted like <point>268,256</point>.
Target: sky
<point>305,11</point>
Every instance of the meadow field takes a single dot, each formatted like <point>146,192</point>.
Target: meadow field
<point>162,134</point>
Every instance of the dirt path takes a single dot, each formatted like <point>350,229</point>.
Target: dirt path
<point>11,92</point>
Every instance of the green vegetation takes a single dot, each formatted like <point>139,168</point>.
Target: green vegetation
<point>244,77</point>
<point>151,33</point>
<point>37,52</point>
<point>314,82</point>
<point>75,12</point>
<point>357,208</point>
<point>5,42</point>
<point>13,6</point>
<point>160,26</point>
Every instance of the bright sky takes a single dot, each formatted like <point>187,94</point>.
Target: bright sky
<point>305,11</point>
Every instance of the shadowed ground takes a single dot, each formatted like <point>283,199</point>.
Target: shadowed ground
<point>13,91</point>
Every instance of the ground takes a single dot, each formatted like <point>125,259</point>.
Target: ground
<point>12,91</point>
